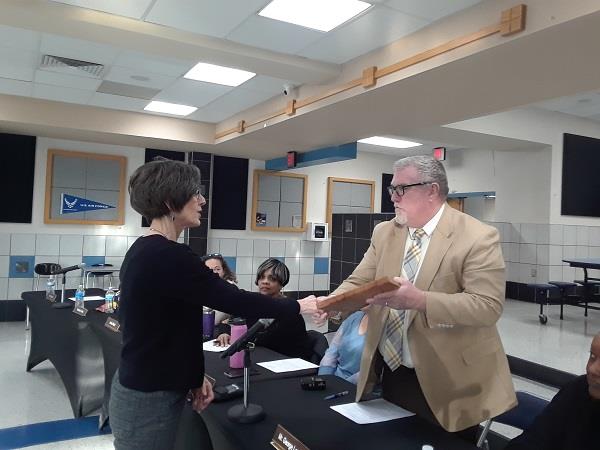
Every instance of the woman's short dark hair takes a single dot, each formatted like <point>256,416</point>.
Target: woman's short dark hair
<point>279,271</point>
<point>228,274</point>
<point>162,186</point>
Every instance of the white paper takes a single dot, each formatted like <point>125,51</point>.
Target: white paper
<point>287,365</point>
<point>210,346</point>
<point>373,411</point>
<point>89,298</point>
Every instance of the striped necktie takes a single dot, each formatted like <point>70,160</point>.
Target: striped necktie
<point>390,345</point>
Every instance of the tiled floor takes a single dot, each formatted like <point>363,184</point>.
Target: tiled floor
<point>39,396</point>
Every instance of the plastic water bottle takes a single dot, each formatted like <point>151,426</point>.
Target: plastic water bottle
<point>50,286</point>
<point>79,296</point>
<point>108,300</point>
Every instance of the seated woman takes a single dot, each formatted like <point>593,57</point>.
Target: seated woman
<point>342,358</point>
<point>218,265</point>
<point>287,336</point>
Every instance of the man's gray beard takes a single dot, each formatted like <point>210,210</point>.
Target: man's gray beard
<point>401,218</point>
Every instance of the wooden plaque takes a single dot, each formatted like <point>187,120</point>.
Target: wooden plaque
<point>284,440</point>
<point>355,299</point>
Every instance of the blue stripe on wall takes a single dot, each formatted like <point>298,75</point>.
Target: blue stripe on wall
<point>45,432</point>
<point>321,265</point>
<point>315,157</point>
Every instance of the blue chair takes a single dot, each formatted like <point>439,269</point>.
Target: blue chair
<point>521,416</point>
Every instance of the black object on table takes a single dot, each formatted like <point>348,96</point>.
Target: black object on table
<point>66,339</point>
<point>588,283</point>
<point>309,418</point>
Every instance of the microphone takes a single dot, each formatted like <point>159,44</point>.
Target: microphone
<point>69,269</point>
<point>260,325</point>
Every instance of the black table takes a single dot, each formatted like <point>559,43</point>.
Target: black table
<point>67,340</point>
<point>308,417</point>
<point>588,282</point>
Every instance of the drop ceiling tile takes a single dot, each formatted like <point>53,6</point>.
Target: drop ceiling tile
<point>61,94</point>
<point>238,100</point>
<point>17,64</point>
<point>430,9</point>
<point>58,79</point>
<point>118,102</point>
<point>19,38</point>
<point>78,49</point>
<point>124,75</point>
<point>208,17</point>
<point>16,87</point>
<point>129,8</point>
<point>357,37</point>
<point>274,35</point>
<point>192,93</point>
<point>148,63</point>
<point>209,115</point>
<point>263,83</point>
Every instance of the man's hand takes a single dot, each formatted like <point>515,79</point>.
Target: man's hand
<point>407,296</point>
<point>308,305</point>
<point>223,340</point>
<point>320,317</point>
<point>202,396</point>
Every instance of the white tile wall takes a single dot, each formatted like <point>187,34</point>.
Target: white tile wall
<point>4,289</point>
<point>307,248</point>
<point>4,244</point>
<point>293,264</point>
<point>94,245</point>
<point>569,235</point>
<point>116,245</point>
<point>261,248</point>
<point>228,247</point>
<point>321,282</point>
<point>18,285</point>
<point>583,235</point>
<point>292,248</point>
<point>307,266</point>
<point>245,247</point>
<point>71,245</point>
<point>293,283</point>
<point>4,260</point>
<point>47,244</point>
<point>244,265</point>
<point>245,282</point>
<point>22,244</point>
<point>277,249</point>
<point>305,282</point>
<point>213,246</point>
<point>556,234</point>
<point>543,233</point>
<point>322,249</point>
<point>131,240</point>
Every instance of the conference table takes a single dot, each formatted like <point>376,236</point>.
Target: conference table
<point>86,355</point>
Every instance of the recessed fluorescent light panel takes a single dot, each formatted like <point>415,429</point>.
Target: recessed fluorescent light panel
<point>170,108</point>
<point>322,15</point>
<point>389,142</point>
<point>212,73</point>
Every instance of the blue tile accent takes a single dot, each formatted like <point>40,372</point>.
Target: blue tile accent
<point>315,157</point>
<point>321,265</point>
<point>231,262</point>
<point>45,432</point>
<point>21,266</point>
<point>91,260</point>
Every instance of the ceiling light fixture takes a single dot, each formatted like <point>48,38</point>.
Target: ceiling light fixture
<point>212,73</point>
<point>170,108</point>
<point>316,14</point>
<point>389,142</point>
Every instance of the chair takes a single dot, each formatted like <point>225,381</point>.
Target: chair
<point>541,294</point>
<point>100,273</point>
<point>318,343</point>
<point>41,270</point>
<point>521,416</point>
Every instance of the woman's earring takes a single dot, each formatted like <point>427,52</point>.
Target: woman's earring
<point>173,217</point>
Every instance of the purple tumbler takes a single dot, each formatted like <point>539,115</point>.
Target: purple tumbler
<point>208,322</point>
<point>238,329</point>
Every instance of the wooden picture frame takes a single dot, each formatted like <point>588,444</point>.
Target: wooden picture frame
<point>96,180</point>
<point>350,181</point>
<point>260,219</point>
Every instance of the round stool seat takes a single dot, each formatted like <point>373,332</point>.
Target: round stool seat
<point>540,286</point>
<point>563,284</point>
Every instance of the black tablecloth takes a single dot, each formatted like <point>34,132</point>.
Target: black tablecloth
<point>67,340</point>
<point>307,416</point>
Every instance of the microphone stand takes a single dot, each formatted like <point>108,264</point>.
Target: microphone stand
<point>62,303</point>
<point>246,412</point>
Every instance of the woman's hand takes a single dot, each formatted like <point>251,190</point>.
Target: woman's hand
<point>202,396</point>
<point>308,305</point>
<point>223,340</point>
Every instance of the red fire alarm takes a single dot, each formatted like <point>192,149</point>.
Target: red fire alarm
<point>291,159</point>
<point>439,153</point>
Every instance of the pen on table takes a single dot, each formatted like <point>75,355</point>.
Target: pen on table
<point>332,396</point>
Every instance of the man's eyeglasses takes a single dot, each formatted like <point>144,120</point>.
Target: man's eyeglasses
<point>401,188</point>
<point>213,255</point>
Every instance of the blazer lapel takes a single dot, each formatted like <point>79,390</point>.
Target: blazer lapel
<point>438,246</point>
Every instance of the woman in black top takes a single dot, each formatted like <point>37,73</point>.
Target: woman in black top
<point>286,335</point>
<point>163,288</point>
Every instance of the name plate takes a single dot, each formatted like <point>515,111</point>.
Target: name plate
<point>80,310</point>
<point>112,324</point>
<point>284,440</point>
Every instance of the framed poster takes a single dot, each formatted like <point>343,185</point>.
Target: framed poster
<point>84,188</point>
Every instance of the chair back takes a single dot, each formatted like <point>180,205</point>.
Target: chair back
<point>523,415</point>
<point>46,269</point>
<point>318,343</point>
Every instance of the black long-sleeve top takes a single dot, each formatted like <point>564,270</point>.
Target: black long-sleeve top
<point>163,288</point>
<point>570,421</point>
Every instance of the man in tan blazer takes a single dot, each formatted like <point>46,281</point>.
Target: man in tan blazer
<point>453,371</point>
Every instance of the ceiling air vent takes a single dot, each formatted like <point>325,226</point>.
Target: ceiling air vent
<point>58,62</point>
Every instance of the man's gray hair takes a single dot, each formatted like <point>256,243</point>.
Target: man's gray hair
<point>429,168</point>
